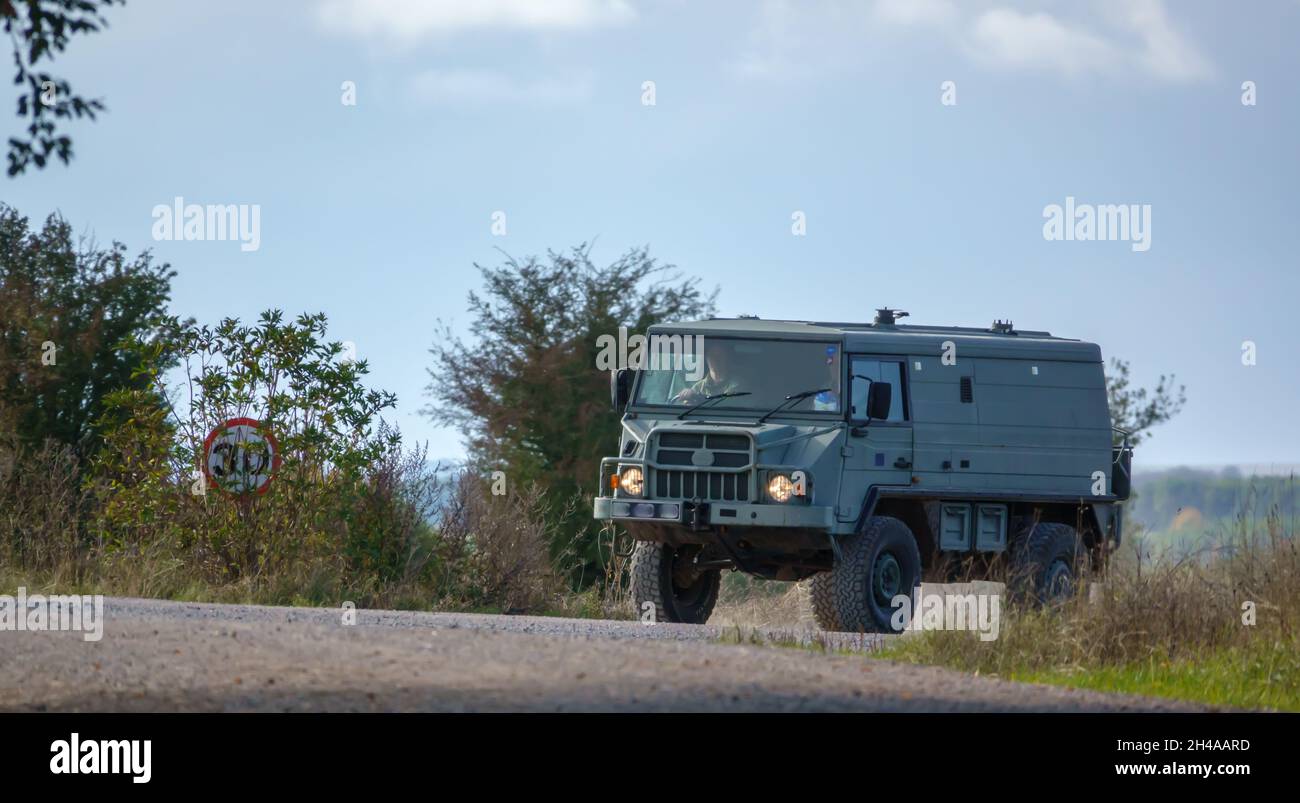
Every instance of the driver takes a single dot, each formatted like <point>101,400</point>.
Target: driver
<point>718,379</point>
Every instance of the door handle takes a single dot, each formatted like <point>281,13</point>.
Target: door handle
<point>902,462</point>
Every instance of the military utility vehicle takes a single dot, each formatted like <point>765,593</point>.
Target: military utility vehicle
<point>858,457</point>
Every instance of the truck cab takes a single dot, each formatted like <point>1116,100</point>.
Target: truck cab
<point>859,457</point>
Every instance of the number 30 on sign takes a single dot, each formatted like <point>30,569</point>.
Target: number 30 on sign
<point>241,456</point>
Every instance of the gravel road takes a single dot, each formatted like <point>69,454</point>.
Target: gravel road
<point>174,656</point>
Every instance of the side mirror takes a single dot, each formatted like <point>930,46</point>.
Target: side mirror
<point>620,383</point>
<point>879,396</point>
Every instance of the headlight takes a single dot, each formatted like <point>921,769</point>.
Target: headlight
<point>780,488</point>
<point>631,481</point>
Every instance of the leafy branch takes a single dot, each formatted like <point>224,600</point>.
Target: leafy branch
<point>39,29</point>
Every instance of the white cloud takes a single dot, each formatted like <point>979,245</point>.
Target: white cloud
<point>1103,37</point>
<point>1127,35</point>
<point>407,20</point>
<point>1166,53</point>
<point>483,87</point>
<point>1008,38</point>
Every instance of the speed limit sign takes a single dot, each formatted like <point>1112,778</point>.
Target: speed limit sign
<point>241,456</point>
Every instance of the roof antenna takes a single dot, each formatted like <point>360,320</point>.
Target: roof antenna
<point>886,316</point>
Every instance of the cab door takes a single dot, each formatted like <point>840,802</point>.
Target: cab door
<point>878,452</point>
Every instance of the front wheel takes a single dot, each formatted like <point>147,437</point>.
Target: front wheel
<point>877,575</point>
<point>667,586</point>
<point>819,598</point>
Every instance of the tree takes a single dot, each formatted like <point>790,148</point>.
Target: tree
<point>1135,410</point>
<point>65,308</point>
<point>285,374</point>
<point>327,494</point>
<point>38,30</point>
<point>526,392</point>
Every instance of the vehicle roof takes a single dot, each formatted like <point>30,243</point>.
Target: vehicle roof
<point>899,338</point>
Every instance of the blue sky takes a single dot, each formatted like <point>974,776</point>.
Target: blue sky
<point>375,213</point>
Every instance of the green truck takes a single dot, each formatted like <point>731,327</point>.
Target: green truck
<point>858,457</point>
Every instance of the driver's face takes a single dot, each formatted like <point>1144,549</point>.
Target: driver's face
<point>717,357</point>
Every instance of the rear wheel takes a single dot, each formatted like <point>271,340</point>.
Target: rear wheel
<point>1046,563</point>
<point>878,565</point>
<point>668,586</point>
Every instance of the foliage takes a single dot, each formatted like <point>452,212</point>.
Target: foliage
<point>1137,410</point>
<point>1221,624</point>
<point>39,29</point>
<point>349,516</point>
<point>526,393</point>
<point>82,301</point>
<point>42,502</point>
<point>288,377</point>
<point>503,542</point>
<point>101,451</point>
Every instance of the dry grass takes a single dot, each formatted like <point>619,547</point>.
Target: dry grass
<point>406,538</point>
<point>503,543</point>
<point>749,602</point>
<point>1218,623</point>
<point>1171,623</point>
<point>41,506</point>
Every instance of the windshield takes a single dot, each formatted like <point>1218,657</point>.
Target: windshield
<point>765,370</point>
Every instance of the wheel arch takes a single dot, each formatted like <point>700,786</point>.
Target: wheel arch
<point>1081,516</point>
<point>912,513</point>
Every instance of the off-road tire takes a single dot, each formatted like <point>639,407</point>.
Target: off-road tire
<point>652,582</point>
<point>1044,558</point>
<point>819,593</point>
<point>863,589</point>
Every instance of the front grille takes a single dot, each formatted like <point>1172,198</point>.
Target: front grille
<point>734,443</point>
<point>712,486</point>
<point>681,440</point>
<point>675,457</point>
<point>700,455</point>
<point>682,457</point>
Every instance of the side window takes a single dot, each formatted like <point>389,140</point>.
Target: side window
<point>876,370</point>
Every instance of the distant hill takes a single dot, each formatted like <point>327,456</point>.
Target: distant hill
<point>1189,500</point>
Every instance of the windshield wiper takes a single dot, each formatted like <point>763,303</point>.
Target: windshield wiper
<point>792,397</point>
<point>712,398</point>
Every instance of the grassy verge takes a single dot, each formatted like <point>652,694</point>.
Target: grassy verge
<point>1217,623</point>
<point>322,588</point>
<point>401,536</point>
<point>1257,675</point>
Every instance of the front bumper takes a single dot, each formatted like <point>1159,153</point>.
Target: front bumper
<point>699,515</point>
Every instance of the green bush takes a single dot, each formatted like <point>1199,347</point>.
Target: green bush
<point>351,514</point>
